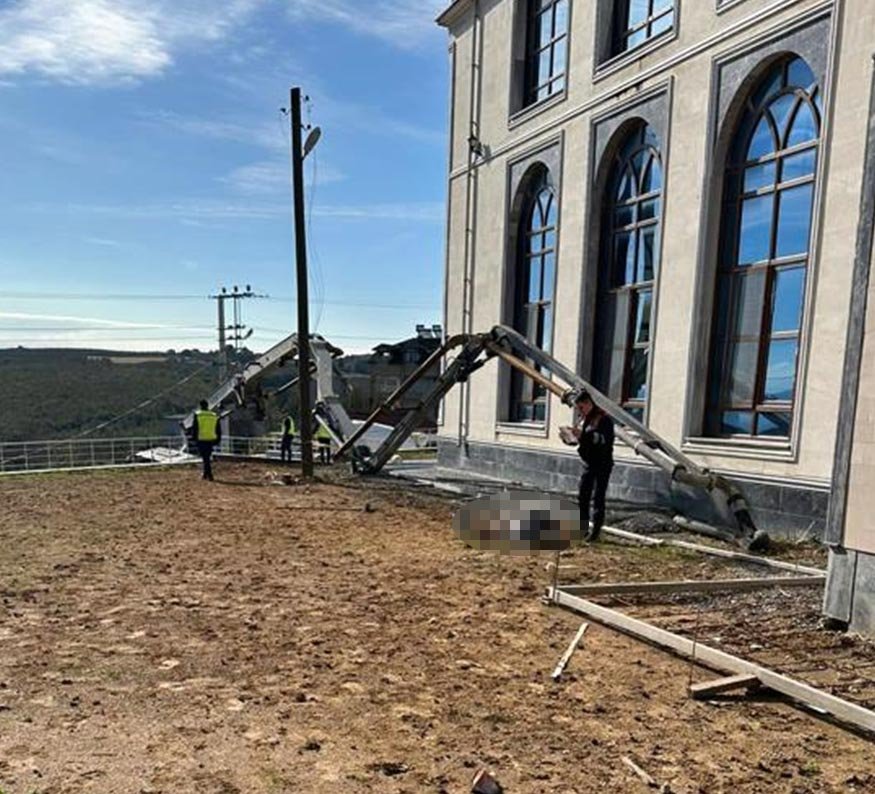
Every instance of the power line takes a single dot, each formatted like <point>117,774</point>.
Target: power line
<point>93,328</point>
<point>145,403</point>
<point>43,296</point>
<point>365,304</point>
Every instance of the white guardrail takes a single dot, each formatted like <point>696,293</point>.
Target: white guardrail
<point>20,457</point>
<point>90,453</point>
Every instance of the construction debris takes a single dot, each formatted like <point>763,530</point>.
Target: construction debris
<point>809,696</point>
<point>701,528</point>
<point>708,689</point>
<point>753,559</point>
<point>694,586</point>
<point>639,772</point>
<point>484,783</point>
<point>566,657</point>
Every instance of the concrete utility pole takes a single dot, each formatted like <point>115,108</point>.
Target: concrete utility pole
<point>236,328</point>
<point>306,418</point>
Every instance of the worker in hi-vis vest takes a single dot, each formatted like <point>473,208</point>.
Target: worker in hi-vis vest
<point>206,434</point>
<point>288,437</point>
<point>323,440</point>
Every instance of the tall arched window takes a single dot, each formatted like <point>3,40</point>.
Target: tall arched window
<point>535,278</point>
<point>629,264</point>
<point>764,256</point>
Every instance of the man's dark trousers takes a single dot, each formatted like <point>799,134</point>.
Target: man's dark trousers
<point>593,488</point>
<point>206,450</point>
<point>286,450</point>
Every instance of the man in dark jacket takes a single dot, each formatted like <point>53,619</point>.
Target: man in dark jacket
<point>595,445</point>
<point>206,433</point>
<point>288,437</point>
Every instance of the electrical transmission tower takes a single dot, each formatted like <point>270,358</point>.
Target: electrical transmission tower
<point>235,333</point>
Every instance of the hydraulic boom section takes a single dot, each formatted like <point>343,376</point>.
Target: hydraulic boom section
<point>233,393</point>
<point>515,350</point>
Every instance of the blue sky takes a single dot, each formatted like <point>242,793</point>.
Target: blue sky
<point>144,153</point>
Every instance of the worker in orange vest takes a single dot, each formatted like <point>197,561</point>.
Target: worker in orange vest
<point>206,433</point>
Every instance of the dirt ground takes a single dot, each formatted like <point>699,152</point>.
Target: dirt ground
<point>161,634</point>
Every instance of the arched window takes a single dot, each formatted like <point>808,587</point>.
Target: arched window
<point>546,49</point>
<point>764,256</point>
<point>628,268</point>
<point>535,277</point>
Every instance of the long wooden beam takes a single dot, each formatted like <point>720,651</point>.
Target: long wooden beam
<point>693,586</point>
<point>753,559</point>
<point>842,710</point>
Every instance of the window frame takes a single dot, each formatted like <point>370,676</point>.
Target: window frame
<point>730,267</point>
<point>523,391</point>
<point>621,31</point>
<point>642,138</point>
<point>557,80</point>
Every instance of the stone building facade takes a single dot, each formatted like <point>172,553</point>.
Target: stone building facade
<point>672,196</point>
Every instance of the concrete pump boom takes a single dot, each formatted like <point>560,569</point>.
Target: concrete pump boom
<point>515,350</point>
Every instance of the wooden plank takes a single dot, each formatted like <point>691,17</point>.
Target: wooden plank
<point>842,710</point>
<point>693,586</point>
<point>645,778</point>
<point>753,559</point>
<point>708,688</point>
<point>566,657</point>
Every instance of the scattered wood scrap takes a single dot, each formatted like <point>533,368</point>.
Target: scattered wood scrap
<point>484,783</point>
<point>706,689</point>
<point>566,657</point>
<point>693,586</point>
<point>639,772</point>
<point>840,709</point>
<point>767,562</point>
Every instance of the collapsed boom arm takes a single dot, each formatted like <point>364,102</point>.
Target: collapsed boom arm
<point>233,392</point>
<point>515,350</point>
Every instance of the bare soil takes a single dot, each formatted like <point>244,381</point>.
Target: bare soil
<point>162,634</point>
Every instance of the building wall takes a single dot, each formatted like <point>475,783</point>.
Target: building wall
<point>850,596</point>
<point>692,72</point>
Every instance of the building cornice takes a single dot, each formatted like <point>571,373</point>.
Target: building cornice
<point>453,13</point>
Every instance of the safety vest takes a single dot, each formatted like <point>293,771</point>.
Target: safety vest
<point>207,425</point>
<point>288,426</point>
<point>322,433</point>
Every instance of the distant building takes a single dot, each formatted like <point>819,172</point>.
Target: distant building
<point>373,377</point>
<point>676,199</point>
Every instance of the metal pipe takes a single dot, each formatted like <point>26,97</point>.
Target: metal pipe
<point>452,342</point>
<point>642,440</point>
<point>470,252</point>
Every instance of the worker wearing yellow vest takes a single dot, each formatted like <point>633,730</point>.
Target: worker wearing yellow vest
<point>288,437</point>
<point>207,432</point>
<point>323,439</point>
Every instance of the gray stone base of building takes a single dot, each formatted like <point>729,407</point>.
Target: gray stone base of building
<point>850,590</point>
<point>778,507</point>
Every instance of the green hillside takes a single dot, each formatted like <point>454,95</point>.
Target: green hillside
<point>54,394</point>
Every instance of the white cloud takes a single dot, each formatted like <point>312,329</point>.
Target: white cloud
<point>426,212</point>
<point>104,242</point>
<point>404,23</point>
<point>264,135</point>
<point>107,41</point>
<point>97,321</point>
<point>206,210</point>
<point>272,177</point>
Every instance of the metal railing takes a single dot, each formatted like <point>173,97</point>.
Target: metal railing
<point>90,453</point>
<point>255,447</point>
<point>20,457</point>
